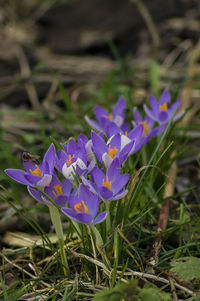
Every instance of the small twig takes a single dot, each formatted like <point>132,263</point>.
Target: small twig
<point>173,289</point>
<point>21,269</point>
<point>96,262</point>
<point>157,278</point>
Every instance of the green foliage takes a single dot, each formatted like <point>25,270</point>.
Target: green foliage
<point>130,291</point>
<point>152,294</point>
<point>187,268</point>
<point>127,291</point>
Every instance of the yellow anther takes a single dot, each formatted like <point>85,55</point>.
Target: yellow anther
<point>107,183</point>
<point>69,161</point>
<point>58,190</point>
<point>78,207</point>
<point>85,207</point>
<point>146,126</point>
<point>163,107</point>
<point>125,134</point>
<point>36,172</point>
<point>110,117</point>
<point>112,152</point>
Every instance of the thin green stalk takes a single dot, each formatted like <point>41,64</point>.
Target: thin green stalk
<point>55,217</point>
<point>108,222</point>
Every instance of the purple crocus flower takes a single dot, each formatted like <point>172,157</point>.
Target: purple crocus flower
<point>57,191</point>
<point>161,111</point>
<point>35,174</point>
<point>84,207</point>
<point>128,135</point>
<point>104,118</point>
<point>73,156</point>
<point>109,186</point>
<point>114,148</point>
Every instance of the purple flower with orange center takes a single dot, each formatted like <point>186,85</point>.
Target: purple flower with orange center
<point>114,148</point>
<point>36,173</point>
<point>104,118</point>
<point>127,136</point>
<point>72,157</point>
<point>57,191</point>
<point>84,207</point>
<point>108,186</point>
<point>162,111</point>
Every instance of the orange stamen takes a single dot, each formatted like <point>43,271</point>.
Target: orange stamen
<point>163,107</point>
<point>146,126</point>
<point>107,183</point>
<point>58,190</point>
<point>112,152</point>
<point>36,172</point>
<point>69,161</point>
<point>78,207</point>
<point>110,117</point>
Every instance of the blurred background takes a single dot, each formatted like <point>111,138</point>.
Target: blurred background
<point>58,58</point>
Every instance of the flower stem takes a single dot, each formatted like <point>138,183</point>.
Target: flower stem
<point>56,221</point>
<point>108,223</point>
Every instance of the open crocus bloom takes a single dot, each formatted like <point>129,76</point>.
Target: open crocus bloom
<point>84,207</point>
<point>108,186</point>
<point>72,157</point>
<point>57,191</point>
<point>116,147</point>
<point>104,118</point>
<point>162,111</point>
<point>35,174</point>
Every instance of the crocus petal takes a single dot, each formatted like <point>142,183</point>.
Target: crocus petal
<point>119,107</point>
<point>114,169</point>
<point>50,158</point>
<point>165,97</point>
<point>118,120</point>
<point>66,187</point>
<point>99,145</point>
<point>154,104</point>
<point>61,200</point>
<point>100,218</point>
<point>149,113</point>
<point>100,112</point>
<point>120,195</point>
<point>113,129</point>
<point>78,217</point>
<point>128,148</point>
<point>36,194</point>
<point>119,183</point>
<point>45,181</point>
<point>177,116</point>
<point>136,115</point>
<point>87,183</point>
<point>97,176</point>
<point>163,116</point>
<point>105,193</point>
<point>17,175</point>
<point>136,133</point>
<point>107,160</point>
<point>93,124</point>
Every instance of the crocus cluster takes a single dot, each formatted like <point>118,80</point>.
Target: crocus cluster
<point>91,167</point>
